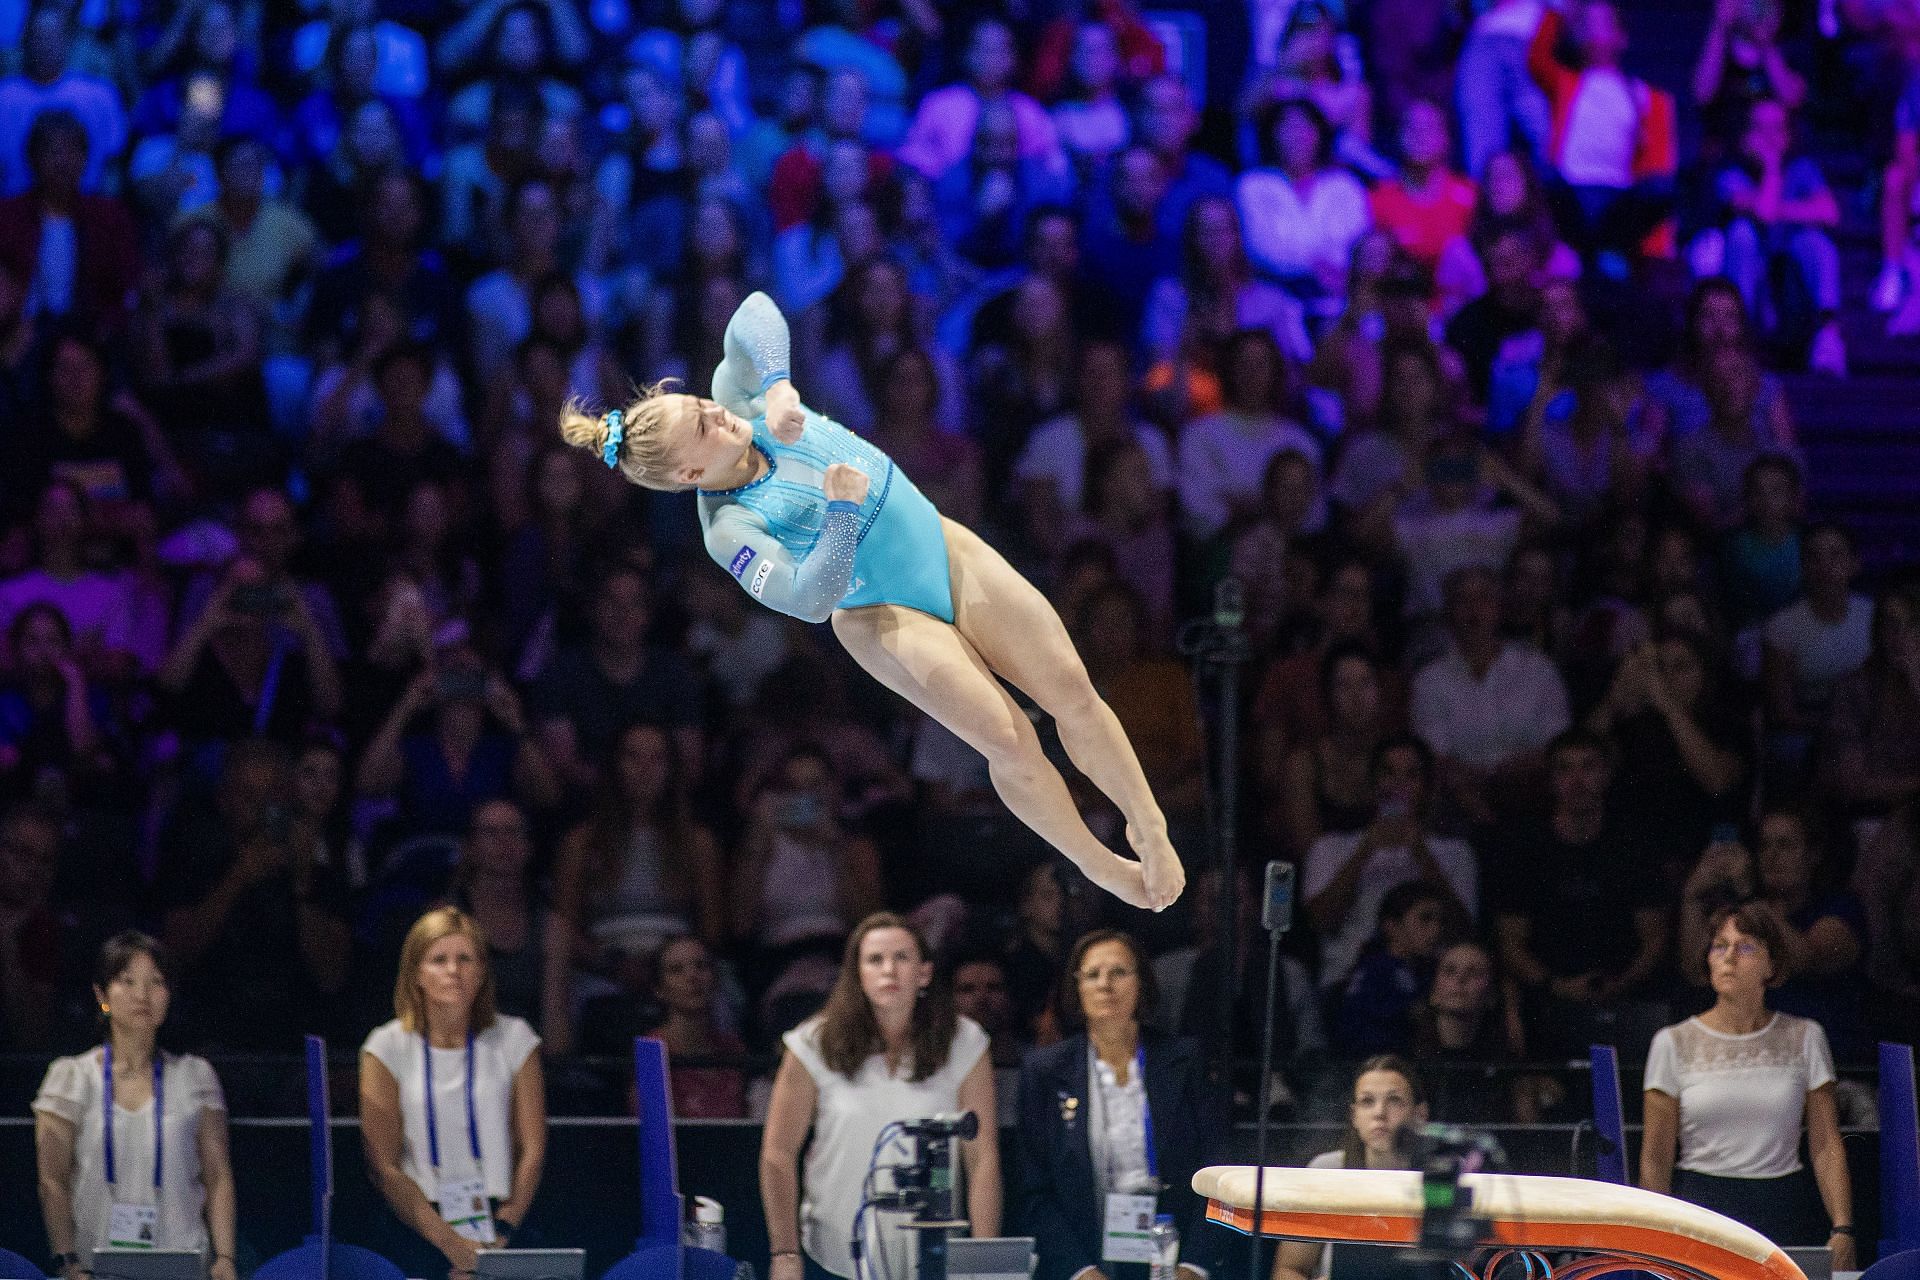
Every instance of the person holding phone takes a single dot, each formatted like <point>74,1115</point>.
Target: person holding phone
<point>803,878</point>
<point>453,1109</point>
<point>477,748</point>
<point>1347,875</point>
<point>131,1141</point>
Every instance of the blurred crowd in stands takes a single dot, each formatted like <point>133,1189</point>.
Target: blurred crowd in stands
<point>1457,342</point>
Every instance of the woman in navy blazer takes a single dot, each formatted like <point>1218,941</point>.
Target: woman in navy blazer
<point>1089,1081</point>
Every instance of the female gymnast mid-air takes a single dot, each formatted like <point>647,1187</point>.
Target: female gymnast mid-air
<point>815,522</point>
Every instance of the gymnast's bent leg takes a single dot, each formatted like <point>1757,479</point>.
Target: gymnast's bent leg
<point>930,664</point>
<point>1016,630</point>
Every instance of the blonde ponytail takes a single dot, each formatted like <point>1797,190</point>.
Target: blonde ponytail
<point>644,453</point>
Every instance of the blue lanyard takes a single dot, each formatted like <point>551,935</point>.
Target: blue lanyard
<point>433,1119</point>
<point>159,1113</point>
<point>1146,1111</point>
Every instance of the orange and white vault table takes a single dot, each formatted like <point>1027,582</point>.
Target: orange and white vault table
<point>1622,1228</point>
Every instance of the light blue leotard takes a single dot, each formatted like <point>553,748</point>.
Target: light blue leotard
<point>780,538</point>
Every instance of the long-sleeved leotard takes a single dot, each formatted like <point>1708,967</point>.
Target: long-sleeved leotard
<point>788,546</point>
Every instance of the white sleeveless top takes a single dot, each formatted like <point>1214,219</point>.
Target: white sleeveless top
<point>847,1117</point>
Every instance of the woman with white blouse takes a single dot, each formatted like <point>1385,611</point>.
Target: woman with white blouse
<point>888,1046</point>
<point>131,1141</point>
<point>1731,1090</point>
<point>453,1109</point>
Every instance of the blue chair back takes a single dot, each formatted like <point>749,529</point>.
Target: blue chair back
<point>343,1262</point>
<point>15,1267</point>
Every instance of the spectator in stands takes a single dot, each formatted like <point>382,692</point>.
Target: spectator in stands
<point>382,61</point>
<point>493,884</point>
<point>53,721</point>
<point>986,199</point>
<point>1468,1014</point>
<point>1825,635</point>
<point>209,72</point>
<point>938,140</point>
<point>683,984</point>
<point>43,947</point>
<point>1329,777</point>
<point>1453,522</point>
<point>981,992</point>
<point>697,53</point>
<point>1887,880</point>
<point>1216,293</point>
<point>1428,206</point>
<point>197,349</point>
<point>1127,510</point>
<point>1778,215</point>
<point>1822,929</point>
<point>1347,875</point>
<point>511,45</point>
<point>1166,122</point>
<point>1747,418</point>
<point>1278,554</point>
<point>1613,150</point>
<point>268,530</point>
<point>418,300</point>
<point>639,871</point>
<point>1870,743</point>
<point>1760,561</point>
<point>1301,214</point>
<point>1091,123</point>
<point>500,303</point>
<point>1893,290</point>
<point>1729,1139</point>
<point>872,322</point>
<point>1051,472</point>
<point>477,749</point>
<point>801,879</point>
<point>1716,318</point>
<point>1389,1097</point>
<point>1375,1007</point>
<point>1117,1108</point>
<point>163,1177</point>
<point>1034,951</point>
<point>96,608</point>
<point>1487,707</point>
<point>449,1056</point>
<point>1290,709</point>
<point>591,691</point>
<point>1581,446</point>
<point>1580,916</point>
<point>254,663</point>
<point>1223,456</point>
<point>237,888</point>
<point>888,1046</point>
<point>911,398</point>
<point>1679,745</point>
<point>78,253</point>
<point>1508,256</point>
<point>1379,466</point>
<point>1741,65</point>
<point>1495,97</point>
<point>51,79</point>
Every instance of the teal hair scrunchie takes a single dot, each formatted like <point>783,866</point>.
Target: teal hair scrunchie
<point>616,432</point>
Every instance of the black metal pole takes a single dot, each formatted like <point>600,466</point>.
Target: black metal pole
<point>1265,1104</point>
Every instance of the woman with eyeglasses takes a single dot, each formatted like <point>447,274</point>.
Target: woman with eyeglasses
<point>131,1141</point>
<point>1114,1116</point>
<point>1730,1091</point>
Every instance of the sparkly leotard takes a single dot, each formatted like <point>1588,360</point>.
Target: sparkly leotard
<point>788,546</point>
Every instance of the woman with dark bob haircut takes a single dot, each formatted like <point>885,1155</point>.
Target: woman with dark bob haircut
<point>1114,1110</point>
<point>157,1176</point>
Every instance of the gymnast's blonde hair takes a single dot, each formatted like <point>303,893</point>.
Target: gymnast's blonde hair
<point>646,452</point>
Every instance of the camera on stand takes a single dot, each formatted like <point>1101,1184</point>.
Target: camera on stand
<point>924,1187</point>
<point>1450,1230</point>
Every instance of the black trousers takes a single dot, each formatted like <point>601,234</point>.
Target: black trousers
<point>1786,1210</point>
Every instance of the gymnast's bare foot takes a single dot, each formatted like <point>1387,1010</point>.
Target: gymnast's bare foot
<point>1122,877</point>
<point>1164,877</point>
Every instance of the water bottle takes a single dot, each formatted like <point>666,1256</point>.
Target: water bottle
<point>708,1230</point>
<point>1165,1241</point>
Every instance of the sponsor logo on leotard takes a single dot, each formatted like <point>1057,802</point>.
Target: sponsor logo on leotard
<point>741,559</point>
<point>760,577</point>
